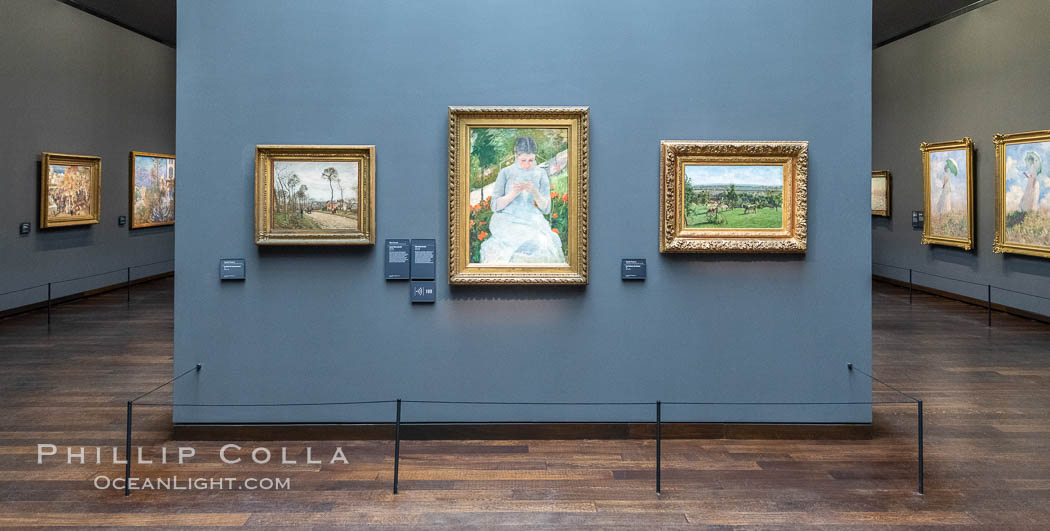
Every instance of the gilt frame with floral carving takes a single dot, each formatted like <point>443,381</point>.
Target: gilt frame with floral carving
<point>465,203</point>
<point>354,213</point>
<point>677,236</point>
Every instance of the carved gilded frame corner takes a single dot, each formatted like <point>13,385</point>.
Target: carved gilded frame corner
<point>928,238</point>
<point>265,234</point>
<point>131,191</point>
<point>675,237</point>
<point>94,194</point>
<point>883,174</point>
<point>460,121</point>
<point>1000,245</point>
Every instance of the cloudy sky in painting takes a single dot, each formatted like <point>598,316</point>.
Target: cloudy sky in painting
<point>143,165</point>
<point>1016,182</point>
<point>309,173</point>
<point>750,175</point>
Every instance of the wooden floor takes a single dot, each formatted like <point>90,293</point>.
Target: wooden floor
<point>987,394</point>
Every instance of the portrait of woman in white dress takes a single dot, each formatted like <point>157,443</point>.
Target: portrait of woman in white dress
<point>518,195</point>
<point>519,232</point>
<point>944,187</point>
<point>1033,168</point>
<point>947,196</point>
<point>1025,194</point>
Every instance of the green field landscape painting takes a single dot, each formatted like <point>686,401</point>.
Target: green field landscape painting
<point>733,197</point>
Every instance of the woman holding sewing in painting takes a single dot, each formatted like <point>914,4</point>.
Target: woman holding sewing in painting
<point>520,234</point>
<point>944,200</point>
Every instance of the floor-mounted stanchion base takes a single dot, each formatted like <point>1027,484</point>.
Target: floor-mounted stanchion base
<point>397,442</point>
<point>659,436</point>
<point>127,455</point>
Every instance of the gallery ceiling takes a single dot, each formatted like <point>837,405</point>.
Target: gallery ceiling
<point>152,18</point>
<point>891,19</point>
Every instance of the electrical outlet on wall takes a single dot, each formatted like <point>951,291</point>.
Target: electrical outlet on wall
<point>23,228</point>
<point>122,220</point>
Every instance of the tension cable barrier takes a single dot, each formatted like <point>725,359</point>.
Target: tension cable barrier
<point>127,285</point>
<point>488,403</point>
<point>911,399</point>
<point>990,287</point>
<point>123,269</point>
<point>993,286</point>
<point>187,371</point>
<point>658,424</point>
<point>288,404</point>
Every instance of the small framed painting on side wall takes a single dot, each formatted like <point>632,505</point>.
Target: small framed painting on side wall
<point>880,193</point>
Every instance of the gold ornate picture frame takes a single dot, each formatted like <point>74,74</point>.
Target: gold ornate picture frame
<point>151,189</point>
<point>1022,193</point>
<point>881,193</point>
<point>70,190</point>
<point>949,210</point>
<point>733,197</point>
<point>314,195</point>
<point>518,195</point>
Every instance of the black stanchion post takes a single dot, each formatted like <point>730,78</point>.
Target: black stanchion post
<point>127,455</point>
<point>397,442</point>
<point>909,286</point>
<point>129,286</point>
<point>659,435</point>
<point>921,464</point>
<point>48,306</point>
<point>989,305</point>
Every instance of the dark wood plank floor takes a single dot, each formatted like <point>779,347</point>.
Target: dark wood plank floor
<point>988,438</point>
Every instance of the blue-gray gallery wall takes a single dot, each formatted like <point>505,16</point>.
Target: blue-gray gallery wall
<point>74,83</point>
<point>321,324</point>
<point>978,74</point>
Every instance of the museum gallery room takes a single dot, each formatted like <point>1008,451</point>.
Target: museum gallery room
<point>540,264</point>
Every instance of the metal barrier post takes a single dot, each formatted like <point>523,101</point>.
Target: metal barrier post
<point>129,286</point>
<point>48,306</point>
<point>127,455</point>
<point>397,442</point>
<point>659,434</point>
<point>989,305</point>
<point>921,463</point>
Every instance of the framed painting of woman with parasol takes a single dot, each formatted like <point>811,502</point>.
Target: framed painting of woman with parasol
<point>947,169</point>
<point>1022,193</point>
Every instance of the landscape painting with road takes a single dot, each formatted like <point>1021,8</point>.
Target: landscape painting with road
<point>731,196</point>
<point>315,195</point>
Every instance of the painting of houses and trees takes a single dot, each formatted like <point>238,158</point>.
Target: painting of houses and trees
<point>153,190</point>
<point>315,195</point>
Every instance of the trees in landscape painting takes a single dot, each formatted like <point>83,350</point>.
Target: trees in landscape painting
<point>299,206</point>
<point>754,204</point>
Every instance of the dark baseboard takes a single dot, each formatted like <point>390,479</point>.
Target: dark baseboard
<point>519,431</point>
<point>81,294</point>
<point>969,300</point>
